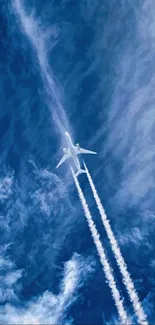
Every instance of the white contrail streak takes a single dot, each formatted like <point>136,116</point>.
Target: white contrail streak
<point>40,39</point>
<point>103,259</point>
<point>142,318</point>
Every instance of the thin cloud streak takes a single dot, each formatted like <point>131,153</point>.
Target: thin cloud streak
<point>40,37</point>
<point>127,125</point>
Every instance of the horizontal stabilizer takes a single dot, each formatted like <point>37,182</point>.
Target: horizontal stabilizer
<point>80,171</point>
<point>79,150</point>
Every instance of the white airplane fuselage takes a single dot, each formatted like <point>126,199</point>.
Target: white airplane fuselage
<point>71,152</point>
<point>71,147</point>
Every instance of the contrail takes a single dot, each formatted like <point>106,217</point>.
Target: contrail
<point>142,318</point>
<point>39,37</point>
<point>102,255</point>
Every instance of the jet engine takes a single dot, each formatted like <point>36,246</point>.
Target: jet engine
<point>64,150</point>
<point>78,146</point>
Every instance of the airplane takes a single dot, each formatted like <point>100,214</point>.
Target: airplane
<point>72,152</point>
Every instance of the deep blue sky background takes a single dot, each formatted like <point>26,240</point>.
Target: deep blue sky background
<point>86,67</point>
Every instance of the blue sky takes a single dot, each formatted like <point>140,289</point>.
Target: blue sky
<point>87,68</point>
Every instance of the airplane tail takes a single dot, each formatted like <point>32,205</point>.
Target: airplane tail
<point>80,171</point>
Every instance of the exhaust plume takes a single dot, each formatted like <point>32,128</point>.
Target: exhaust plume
<point>102,255</point>
<point>142,319</point>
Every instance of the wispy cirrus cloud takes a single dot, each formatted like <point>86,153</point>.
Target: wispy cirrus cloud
<point>31,237</point>
<point>126,133</point>
<point>47,308</point>
<point>35,199</point>
<point>6,186</point>
<point>9,277</point>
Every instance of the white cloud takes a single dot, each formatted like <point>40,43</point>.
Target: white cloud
<point>41,198</point>
<point>9,278</point>
<point>51,192</point>
<point>50,308</point>
<point>128,131</point>
<point>6,186</point>
<point>20,207</point>
<point>133,236</point>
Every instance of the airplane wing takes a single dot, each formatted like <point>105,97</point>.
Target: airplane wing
<point>64,158</point>
<point>81,150</point>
